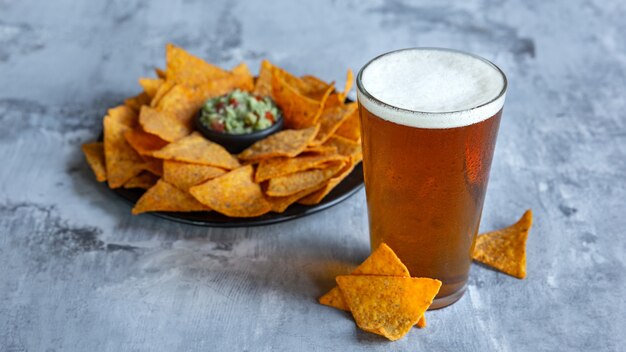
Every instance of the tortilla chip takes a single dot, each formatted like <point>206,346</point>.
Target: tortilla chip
<point>349,82</point>
<point>153,165</point>
<point>233,194</point>
<point>505,249</point>
<point>387,305</point>
<point>183,67</point>
<point>222,86</point>
<point>165,197</point>
<point>182,103</point>
<point>124,115</point>
<point>122,161</point>
<point>243,77</point>
<point>151,85</point>
<point>293,183</point>
<point>185,175</point>
<point>299,111</point>
<point>317,196</point>
<point>331,119</point>
<point>143,142</point>
<point>161,92</point>
<point>314,87</point>
<point>94,153</point>
<point>319,150</point>
<point>351,127</point>
<point>135,103</point>
<point>422,322</point>
<point>383,261</point>
<point>346,148</point>
<point>160,73</point>
<point>263,85</point>
<point>197,149</point>
<point>275,167</point>
<point>284,143</point>
<point>144,180</point>
<point>280,204</point>
<point>162,124</point>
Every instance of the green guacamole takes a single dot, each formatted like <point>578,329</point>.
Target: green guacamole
<point>239,112</point>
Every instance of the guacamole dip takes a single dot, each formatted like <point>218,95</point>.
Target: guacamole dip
<point>239,112</point>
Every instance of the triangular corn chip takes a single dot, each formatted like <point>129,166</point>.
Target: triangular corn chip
<point>274,167</point>
<point>330,120</point>
<point>197,149</point>
<point>122,161</point>
<point>505,249</point>
<point>284,143</point>
<point>383,261</point>
<point>94,153</point>
<point>165,197</point>
<point>233,194</point>
<point>387,305</point>
<point>186,175</point>
<point>293,183</point>
<point>163,125</point>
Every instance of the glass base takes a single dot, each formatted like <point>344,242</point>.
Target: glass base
<point>447,300</point>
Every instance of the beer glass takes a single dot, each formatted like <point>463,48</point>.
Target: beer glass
<point>429,122</point>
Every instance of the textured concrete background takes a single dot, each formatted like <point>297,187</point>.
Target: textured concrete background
<point>79,273</point>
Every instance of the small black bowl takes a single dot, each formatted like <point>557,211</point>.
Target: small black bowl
<point>236,143</point>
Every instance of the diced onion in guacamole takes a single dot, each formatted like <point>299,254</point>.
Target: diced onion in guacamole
<point>239,112</point>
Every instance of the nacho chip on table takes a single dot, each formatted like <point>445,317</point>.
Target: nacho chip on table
<point>143,142</point>
<point>122,161</point>
<point>183,67</point>
<point>274,167</point>
<point>94,153</point>
<point>505,249</point>
<point>331,119</point>
<point>293,183</point>
<point>351,127</point>
<point>162,124</point>
<point>233,194</point>
<point>382,261</point>
<point>387,305</point>
<point>135,103</point>
<point>299,111</point>
<point>287,143</point>
<point>186,175</point>
<point>144,180</point>
<point>151,85</point>
<point>165,197</point>
<point>197,149</point>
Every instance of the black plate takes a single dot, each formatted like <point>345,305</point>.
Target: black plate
<point>349,186</point>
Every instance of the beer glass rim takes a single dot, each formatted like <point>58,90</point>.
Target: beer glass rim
<point>439,119</point>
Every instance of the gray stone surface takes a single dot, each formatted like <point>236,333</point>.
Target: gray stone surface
<point>79,273</point>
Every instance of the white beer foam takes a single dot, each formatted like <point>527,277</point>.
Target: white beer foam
<point>431,88</point>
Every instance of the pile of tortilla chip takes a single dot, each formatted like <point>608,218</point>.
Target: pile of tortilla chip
<point>149,142</point>
<point>382,296</point>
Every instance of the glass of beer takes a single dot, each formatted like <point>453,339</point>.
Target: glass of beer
<point>429,122</point>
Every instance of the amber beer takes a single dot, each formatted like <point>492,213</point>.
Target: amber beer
<point>429,120</point>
